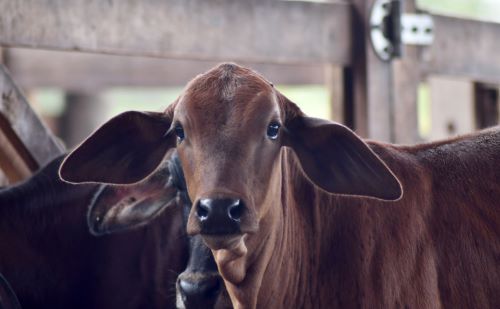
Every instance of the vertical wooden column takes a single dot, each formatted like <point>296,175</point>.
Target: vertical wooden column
<point>369,81</point>
<point>3,178</point>
<point>486,105</point>
<point>406,78</point>
<point>334,83</point>
<point>341,108</point>
<point>84,113</point>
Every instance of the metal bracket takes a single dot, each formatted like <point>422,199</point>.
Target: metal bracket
<point>389,29</point>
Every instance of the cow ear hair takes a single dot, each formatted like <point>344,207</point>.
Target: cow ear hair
<point>8,298</point>
<point>124,150</point>
<point>116,208</point>
<point>335,159</point>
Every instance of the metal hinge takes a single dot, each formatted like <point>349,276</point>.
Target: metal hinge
<point>389,29</point>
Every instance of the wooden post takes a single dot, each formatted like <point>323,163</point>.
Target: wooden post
<point>334,83</point>
<point>84,113</point>
<point>369,81</point>
<point>406,78</point>
<point>486,105</point>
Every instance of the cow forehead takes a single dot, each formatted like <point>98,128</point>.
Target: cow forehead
<point>228,93</point>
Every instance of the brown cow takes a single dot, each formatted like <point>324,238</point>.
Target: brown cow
<point>301,213</point>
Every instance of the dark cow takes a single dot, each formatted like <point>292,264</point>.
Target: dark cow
<point>302,213</point>
<point>8,299</point>
<point>52,261</point>
<point>114,208</point>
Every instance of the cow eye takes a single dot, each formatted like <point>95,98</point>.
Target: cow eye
<point>272,130</point>
<point>179,131</point>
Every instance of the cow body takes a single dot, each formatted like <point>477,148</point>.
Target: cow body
<point>52,261</point>
<point>301,212</point>
<point>436,247</point>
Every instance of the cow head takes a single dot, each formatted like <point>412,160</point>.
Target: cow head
<point>229,127</point>
<point>116,208</point>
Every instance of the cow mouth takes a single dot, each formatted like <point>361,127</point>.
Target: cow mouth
<point>232,242</point>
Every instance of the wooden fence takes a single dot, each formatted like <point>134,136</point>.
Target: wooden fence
<point>377,98</point>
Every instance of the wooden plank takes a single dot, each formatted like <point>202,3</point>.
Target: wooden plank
<point>15,162</point>
<point>406,78</point>
<point>486,105</point>
<point>465,48</point>
<point>93,72</point>
<point>257,31</point>
<point>32,141</point>
<point>334,81</point>
<point>370,81</point>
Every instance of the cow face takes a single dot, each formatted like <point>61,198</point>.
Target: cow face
<point>116,208</point>
<point>200,284</point>
<point>229,127</point>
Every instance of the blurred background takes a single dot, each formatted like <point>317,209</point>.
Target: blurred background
<point>76,92</point>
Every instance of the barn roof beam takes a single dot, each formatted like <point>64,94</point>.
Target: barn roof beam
<point>256,31</point>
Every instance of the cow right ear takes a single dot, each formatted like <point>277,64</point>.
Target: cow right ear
<point>124,150</point>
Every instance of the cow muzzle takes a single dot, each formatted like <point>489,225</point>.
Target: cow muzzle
<point>198,291</point>
<point>219,216</point>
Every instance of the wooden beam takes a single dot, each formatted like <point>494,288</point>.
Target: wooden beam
<point>405,81</point>
<point>83,72</point>
<point>15,162</point>
<point>29,140</point>
<point>465,48</point>
<point>369,81</point>
<point>257,31</point>
<point>486,105</point>
<point>334,80</point>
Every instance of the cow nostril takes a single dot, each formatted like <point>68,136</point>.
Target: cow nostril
<point>202,210</point>
<point>235,211</point>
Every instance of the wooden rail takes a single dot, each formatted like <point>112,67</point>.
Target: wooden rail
<point>257,31</point>
<point>25,143</point>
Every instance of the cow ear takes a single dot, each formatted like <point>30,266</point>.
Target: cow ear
<point>338,161</point>
<point>8,299</point>
<point>116,208</point>
<point>124,150</point>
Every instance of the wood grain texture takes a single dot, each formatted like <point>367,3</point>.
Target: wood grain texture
<point>84,72</point>
<point>260,31</point>
<point>465,48</point>
<point>33,143</point>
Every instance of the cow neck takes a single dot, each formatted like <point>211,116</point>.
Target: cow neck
<point>43,193</point>
<point>294,255</point>
<point>280,267</point>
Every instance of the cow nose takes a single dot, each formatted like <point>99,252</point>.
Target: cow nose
<point>201,293</point>
<point>220,216</point>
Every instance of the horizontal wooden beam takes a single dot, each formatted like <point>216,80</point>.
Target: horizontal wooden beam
<point>26,142</point>
<point>257,31</point>
<point>462,47</point>
<point>83,72</point>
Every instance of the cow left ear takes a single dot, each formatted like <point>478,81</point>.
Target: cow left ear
<point>124,150</point>
<point>338,161</point>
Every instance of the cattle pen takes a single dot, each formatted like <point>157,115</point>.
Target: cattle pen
<point>375,58</point>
